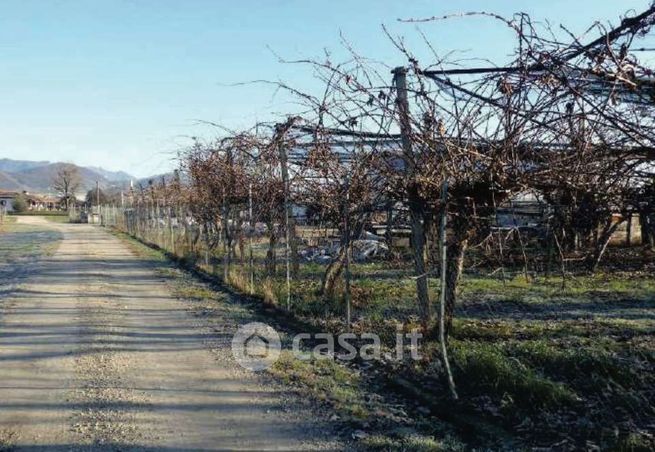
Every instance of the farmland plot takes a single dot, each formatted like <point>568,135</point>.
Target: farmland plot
<point>23,240</point>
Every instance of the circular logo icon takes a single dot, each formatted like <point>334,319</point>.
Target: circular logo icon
<point>256,346</point>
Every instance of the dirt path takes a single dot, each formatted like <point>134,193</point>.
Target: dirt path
<point>97,354</point>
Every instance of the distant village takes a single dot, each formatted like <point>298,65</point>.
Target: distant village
<point>11,201</point>
<point>524,212</point>
<point>41,186</point>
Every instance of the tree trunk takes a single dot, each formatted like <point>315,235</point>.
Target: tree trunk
<point>601,244</point>
<point>227,243</point>
<point>647,233</point>
<point>417,220</point>
<point>650,228</point>
<point>332,273</point>
<point>389,227</point>
<point>455,265</point>
<point>293,244</point>
<point>271,258</point>
<point>334,268</point>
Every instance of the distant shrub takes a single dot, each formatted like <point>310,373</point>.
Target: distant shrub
<point>19,204</point>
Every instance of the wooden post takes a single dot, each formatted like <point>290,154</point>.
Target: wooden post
<point>442,297</point>
<point>251,263</point>
<point>284,170</point>
<point>98,202</point>
<point>389,231</point>
<point>413,197</point>
<point>157,225</point>
<point>226,239</point>
<point>170,228</point>
<point>346,243</point>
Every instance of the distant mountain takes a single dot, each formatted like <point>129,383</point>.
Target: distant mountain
<point>41,178</point>
<point>10,166</point>
<point>38,177</point>
<point>9,182</point>
<point>112,176</point>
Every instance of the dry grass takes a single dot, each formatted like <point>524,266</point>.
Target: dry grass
<point>269,292</point>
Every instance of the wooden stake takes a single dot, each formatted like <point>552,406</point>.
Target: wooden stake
<point>442,298</point>
<point>347,255</point>
<point>252,230</point>
<point>287,214</point>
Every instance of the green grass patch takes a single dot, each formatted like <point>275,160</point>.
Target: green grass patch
<point>138,248</point>
<point>57,218</point>
<point>575,361</point>
<point>192,292</point>
<point>411,442</point>
<point>356,403</point>
<point>326,381</point>
<point>485,369</point>
<point>635,442</point>
<point>23,242</point>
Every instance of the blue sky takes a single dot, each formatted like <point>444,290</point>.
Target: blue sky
<point>123,83</point>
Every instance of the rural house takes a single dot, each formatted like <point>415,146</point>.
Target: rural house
<point>34,202</point>
<point>7,200</point>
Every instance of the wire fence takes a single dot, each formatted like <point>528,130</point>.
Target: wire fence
<point>375,290</point>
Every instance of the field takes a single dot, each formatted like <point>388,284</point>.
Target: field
<point>543,362</point>
<point>535,364</point>
<point>22,244</point>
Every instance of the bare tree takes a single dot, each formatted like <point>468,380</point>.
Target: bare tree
<point>568,120</point>
<point>66,182</point>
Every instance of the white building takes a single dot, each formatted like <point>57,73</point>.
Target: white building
<point>7,200</point>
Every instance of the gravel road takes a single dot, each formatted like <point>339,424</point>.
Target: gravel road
<point>96,353</point>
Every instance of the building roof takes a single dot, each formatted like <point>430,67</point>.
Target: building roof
<point>29,196</point>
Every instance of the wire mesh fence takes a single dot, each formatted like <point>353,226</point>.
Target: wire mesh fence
<point>377,289</point>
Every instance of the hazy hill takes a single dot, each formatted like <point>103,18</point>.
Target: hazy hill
<point>38,177</point>
<point>10,166</point>
<point>112,176</point>
<point>9,182</point>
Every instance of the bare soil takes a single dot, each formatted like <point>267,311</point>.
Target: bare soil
<point>98,353</point>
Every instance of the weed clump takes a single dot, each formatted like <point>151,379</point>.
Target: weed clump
<point>483,368</point>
